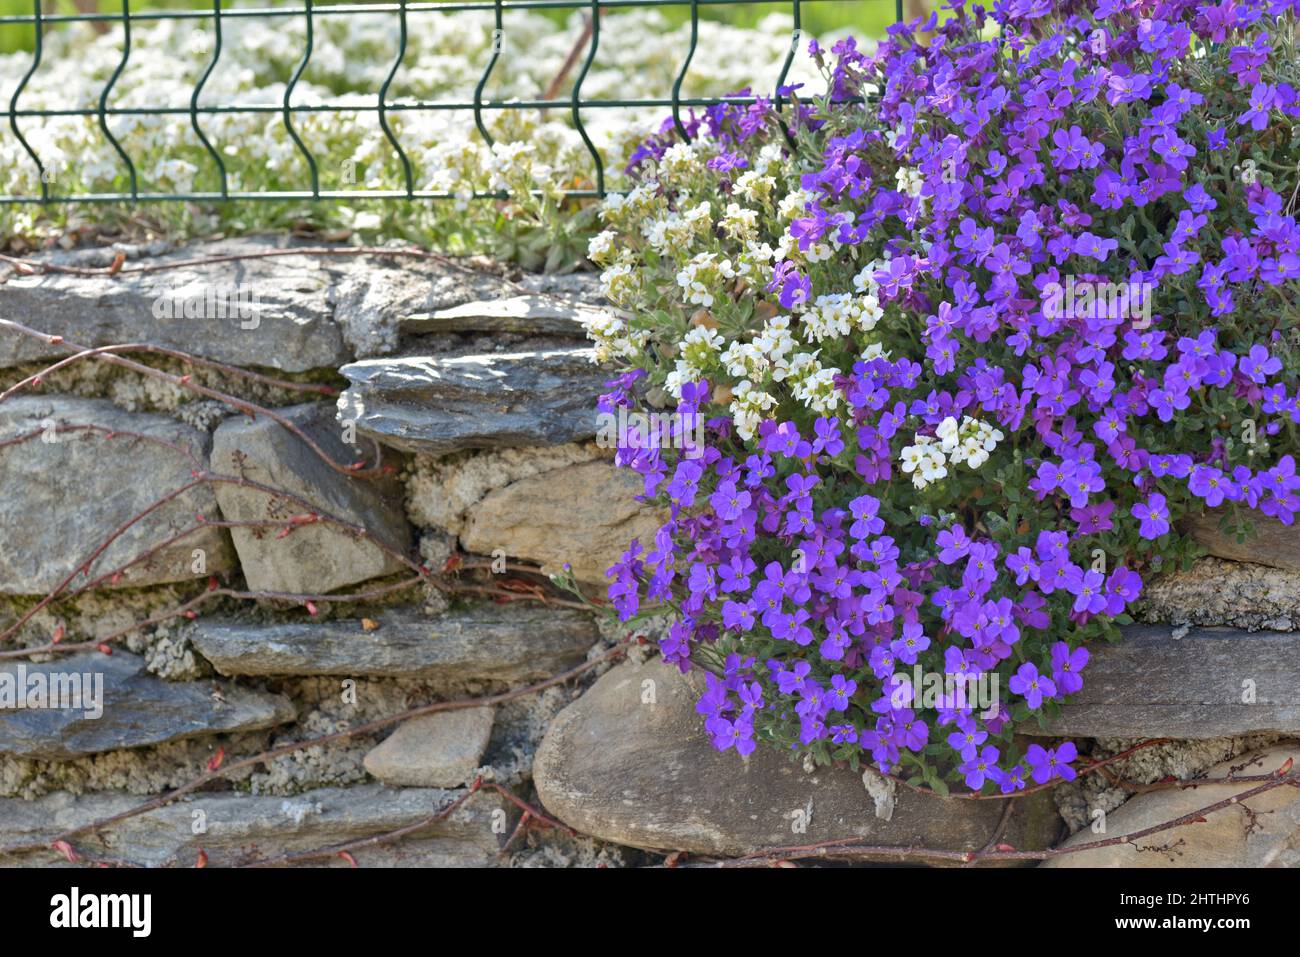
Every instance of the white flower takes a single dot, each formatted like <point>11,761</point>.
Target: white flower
<point>601,247</point>
<point>946,433</point>
<point>739,223</point>
<point>910,181</point>
<point>755,187</point>
<point>969,442</point>
<point>793,205</point>
<point>621,283</point>
<point>703,276</point>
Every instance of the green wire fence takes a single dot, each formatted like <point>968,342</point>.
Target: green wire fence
<point>407,16</point>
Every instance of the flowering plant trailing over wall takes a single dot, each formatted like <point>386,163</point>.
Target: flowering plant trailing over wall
<point>966,352</point>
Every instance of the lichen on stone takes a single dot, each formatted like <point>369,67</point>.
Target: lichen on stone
<point>442,489</point>
<point>1222,593</point>
<point>1081,800</point>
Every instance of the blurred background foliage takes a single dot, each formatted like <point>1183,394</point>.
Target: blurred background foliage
<point>868,18</point>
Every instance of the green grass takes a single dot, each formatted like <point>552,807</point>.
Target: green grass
<point>865,18</point>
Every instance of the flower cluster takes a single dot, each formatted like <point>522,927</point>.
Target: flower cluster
<point>969,443</point>
<point>891,306</point>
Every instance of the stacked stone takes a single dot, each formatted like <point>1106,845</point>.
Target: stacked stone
<point>481,392</point>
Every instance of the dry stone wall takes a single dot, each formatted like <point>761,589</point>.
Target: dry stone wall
<point>247,547</point>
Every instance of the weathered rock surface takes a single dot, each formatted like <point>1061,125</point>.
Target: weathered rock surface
<point>239,828</point>
<point>377,296</point>
<point>582,514</point>
<point>1211,683</point>
<point>440,750</point>
<point>66,492</point>
<point>318,557</point>
<point>1262,831</point>
<point>273,312</point>
<point>529,314</point>
<point>498,643</point>
<point>629,762</point>
<point>292,313</point>
<point>134,707</point>
<point>441,405</point>
<point>1271,543</point>
<point>1213,592</point>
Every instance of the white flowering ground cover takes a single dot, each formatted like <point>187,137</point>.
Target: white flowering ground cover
<point>639,57</point>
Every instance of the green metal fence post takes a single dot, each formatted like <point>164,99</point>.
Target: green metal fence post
<point>288,95</point>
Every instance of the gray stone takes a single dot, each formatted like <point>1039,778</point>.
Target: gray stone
<point>583,514</point>
<point>624,768</point>
<point>66,492</point>
<point>134,708</point>
<point>1210,683</point>
<point>440,750</point>
<point>531,314</point>
<point>1271,543</point>
<point>274,312</point>
<point>492,643</point>
<point>1262,831</point>
<point>584,288</point>
<point>440,405</point>
<point>1242,595</point>
<point>292,313</point>
<point>377,298</point>
<point>317,557</point>
<point>241,828</point>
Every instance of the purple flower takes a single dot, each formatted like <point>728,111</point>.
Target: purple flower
<point>980,768</point>
<point>841,691</point>
<point>730,502</point>
<point>1258,365</point>
<point>1066,667</point>
<point>1046,764</point>
<point>738,616</point>
<point>1210,484</point>
<point>1262,98</point>
<point>1032,686</point>
<point>1153,516</point>
<point>967,739</point>
<point>1074,150</point>
<point>954,544</point>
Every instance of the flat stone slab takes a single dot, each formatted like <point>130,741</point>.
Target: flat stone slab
<point>503,400</point>
<point>292,313</point>
<point>239,828</point>
<point>130,709</point>
<point>501,643</point>
<point>322,556</point>
<point>1266,835</point>
<point>66,492</point>
<point>440,750</point>
<point>275,312</point>
<point>629,762</point>
<point>584,515</point>
<point>1210,683</point>
<point>528,314</point>
<point>1271,543</point>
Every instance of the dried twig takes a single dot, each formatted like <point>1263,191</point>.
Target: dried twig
<point>849,849</point>
<point>215,773</point>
